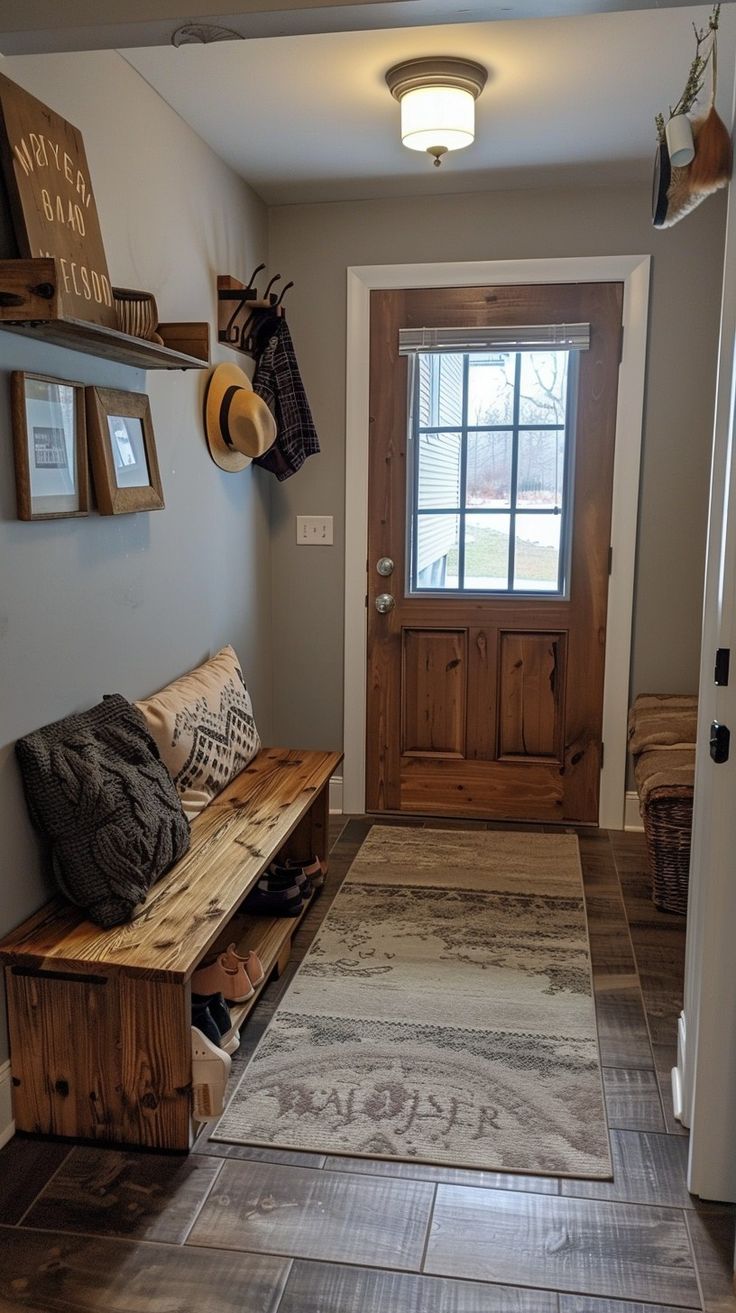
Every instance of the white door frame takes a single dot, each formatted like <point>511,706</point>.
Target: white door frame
<point>633,272</point>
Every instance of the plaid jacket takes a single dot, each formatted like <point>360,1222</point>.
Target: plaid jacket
<point>278,382</point>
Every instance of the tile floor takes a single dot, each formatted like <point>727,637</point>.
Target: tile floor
<point>237,1230</point>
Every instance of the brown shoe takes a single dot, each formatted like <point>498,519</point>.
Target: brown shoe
<point>251,962</point>
<point>226,976</point>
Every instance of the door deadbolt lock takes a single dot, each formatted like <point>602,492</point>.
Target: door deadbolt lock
<point>385,603</point>
<point>385,566</point>
<point>720,742</point>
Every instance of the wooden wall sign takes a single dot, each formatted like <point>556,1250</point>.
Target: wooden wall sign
<point>51,200</point>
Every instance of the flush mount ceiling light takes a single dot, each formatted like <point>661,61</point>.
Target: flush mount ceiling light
<point>437,98</point>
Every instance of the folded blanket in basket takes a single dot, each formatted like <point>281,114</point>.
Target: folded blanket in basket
<point>100,795</point>
<point>659,772</point>
<point>662,720</point>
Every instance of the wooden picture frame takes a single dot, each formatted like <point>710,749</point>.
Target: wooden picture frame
<point>49,446</point>
<point>122,449</point>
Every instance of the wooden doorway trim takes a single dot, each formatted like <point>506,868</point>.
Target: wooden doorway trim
<point>634,272</point>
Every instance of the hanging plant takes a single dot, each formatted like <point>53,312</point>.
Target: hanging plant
<point>694,158</point>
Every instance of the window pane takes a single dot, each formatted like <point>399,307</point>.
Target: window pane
<point>541,468</point>
<point>491,389</point>
<point>440,391</point>
<point>543,387</point>
<point>489,469</point>
<point>439,470</point>
<point>487,551</point>
<point>437,551</point>
<point>537,556</point>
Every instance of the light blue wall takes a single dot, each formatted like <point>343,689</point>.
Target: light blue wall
<point>124,604</point>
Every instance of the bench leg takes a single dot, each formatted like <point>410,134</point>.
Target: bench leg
<point>100,1058</point>
<point>311,835</point>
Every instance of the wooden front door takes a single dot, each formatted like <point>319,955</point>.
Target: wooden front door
<point>490,486</point>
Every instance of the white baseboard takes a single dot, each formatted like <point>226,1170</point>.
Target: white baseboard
<point>7,1125</point>
<point>632,815</point>
<point>336,795</point>
<point>681,1098</point>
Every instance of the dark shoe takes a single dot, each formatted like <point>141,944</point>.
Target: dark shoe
<point>280,889</point>
<point>210,1015</point>
<point>203,1020</point>
<point>279,876</point>
<point>274,904</point>
<point>314,869</point>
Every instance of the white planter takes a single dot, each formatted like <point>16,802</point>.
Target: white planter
<point>679,134</point>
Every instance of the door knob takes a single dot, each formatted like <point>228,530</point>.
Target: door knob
<point>385,566</point>
<point>385,603</point>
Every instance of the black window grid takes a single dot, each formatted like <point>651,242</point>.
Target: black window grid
<point>513,510</point>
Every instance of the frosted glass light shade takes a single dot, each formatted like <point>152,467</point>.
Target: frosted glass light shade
<point>437,118</point>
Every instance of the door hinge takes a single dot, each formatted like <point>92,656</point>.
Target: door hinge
<point>366,601</point>
<point>610,560</point>
<point>621,346</point>
<point>602,753</point>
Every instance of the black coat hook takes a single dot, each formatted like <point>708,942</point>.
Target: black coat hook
<point>251,281</point>
<point>284,290</point>
<point>267,293</point>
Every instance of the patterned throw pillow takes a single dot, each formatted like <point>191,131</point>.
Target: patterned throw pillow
<point>204,729</point>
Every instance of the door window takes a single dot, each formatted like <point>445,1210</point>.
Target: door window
<point>489,487</point>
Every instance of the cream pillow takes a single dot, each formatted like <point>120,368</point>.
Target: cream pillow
<point>204,729</point>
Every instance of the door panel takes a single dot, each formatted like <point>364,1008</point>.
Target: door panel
<point>531,683</point>
<point>489,704</point>
<point>434,694</point>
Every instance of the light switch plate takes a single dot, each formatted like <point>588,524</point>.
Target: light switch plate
<point>314,530</point>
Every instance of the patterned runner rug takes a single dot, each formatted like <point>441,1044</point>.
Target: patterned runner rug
<point>444,1014</point>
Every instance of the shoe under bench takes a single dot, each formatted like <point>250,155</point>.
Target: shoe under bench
<point>100,1020</point>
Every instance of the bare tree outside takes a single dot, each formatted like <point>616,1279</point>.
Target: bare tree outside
<point>542,400</point>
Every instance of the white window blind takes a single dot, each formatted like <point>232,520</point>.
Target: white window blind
<point>526,337</point>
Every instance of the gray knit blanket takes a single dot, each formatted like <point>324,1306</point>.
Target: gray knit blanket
<point>100,795</point>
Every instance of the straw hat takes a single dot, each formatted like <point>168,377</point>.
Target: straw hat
<point>237,422</point>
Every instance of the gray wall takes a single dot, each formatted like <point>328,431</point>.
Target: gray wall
<point>314,244</point>
<point>126,603</point>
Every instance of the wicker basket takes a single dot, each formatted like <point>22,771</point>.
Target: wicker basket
<point>668,818</point>
<point>662,733</point>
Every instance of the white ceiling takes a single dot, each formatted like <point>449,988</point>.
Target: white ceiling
<point>308,118</point>
<point>40,26</point>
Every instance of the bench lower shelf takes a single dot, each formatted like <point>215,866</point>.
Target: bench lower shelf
<point>271,938</point>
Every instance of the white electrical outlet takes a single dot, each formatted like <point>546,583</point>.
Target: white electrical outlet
<point>314,530</point>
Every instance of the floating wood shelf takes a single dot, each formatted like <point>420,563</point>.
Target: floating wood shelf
<point>31,303</point>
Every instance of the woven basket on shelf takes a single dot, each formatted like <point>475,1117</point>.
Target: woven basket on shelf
<point>136,313</point>
<point>668,818</point>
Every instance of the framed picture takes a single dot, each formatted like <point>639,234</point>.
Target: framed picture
<point>50,447</point>
<point>123,452</point>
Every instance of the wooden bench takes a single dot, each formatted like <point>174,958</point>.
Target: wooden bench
<point>100,1025</point>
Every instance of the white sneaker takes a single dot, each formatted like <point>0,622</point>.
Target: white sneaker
<point>210,1070</point>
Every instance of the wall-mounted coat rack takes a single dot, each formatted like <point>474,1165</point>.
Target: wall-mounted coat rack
<point>243,314</point>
